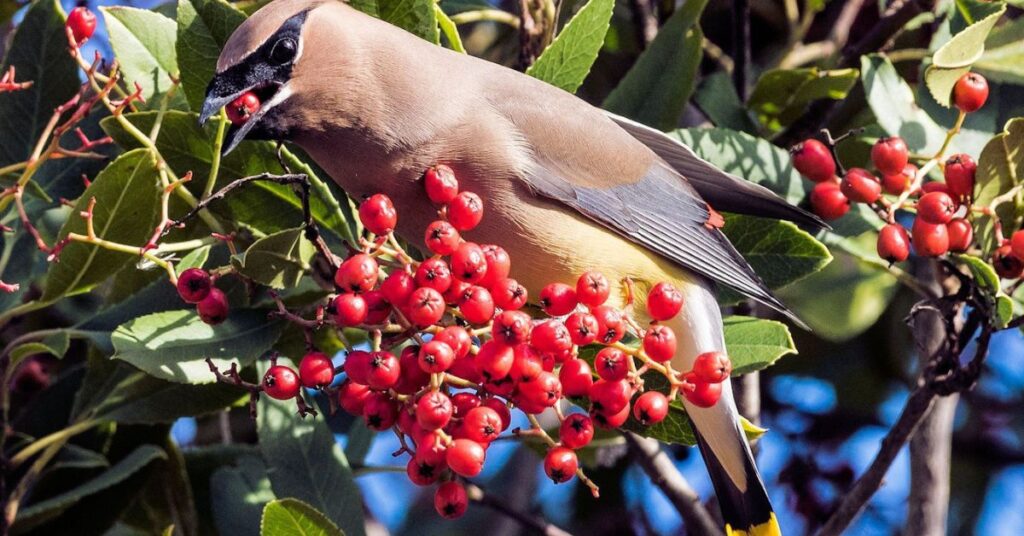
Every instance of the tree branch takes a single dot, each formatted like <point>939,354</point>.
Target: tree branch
<point>663,473</point>
<point>539,526</point>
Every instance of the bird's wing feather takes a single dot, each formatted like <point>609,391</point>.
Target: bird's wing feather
<point>724,191</point>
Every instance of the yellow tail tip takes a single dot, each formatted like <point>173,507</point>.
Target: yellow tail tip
<point>768,528</point>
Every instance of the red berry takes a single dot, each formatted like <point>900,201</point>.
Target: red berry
<point>450,500</point>
<point>422,473</point>
<point>509,294</point>
<point>545,390</point>
<point>411,377</point>
<point>352,396</point>
<point>466,211</point>
<point>712,367</point>
<point>378,308</point>
<point>860,186</point>
<point>398,287</point>
<point>930,240</point>
<point>511,328</point>
<point>704,395</point>
<point>457,338</point>
<point>426,307</point>
<point>813,160</point>
<point>558,299</point>
<point>441,238</point>
<point>433,410</point>
<point>660,343</point>
<point>441,184</point>
<point>828,201</point>
<point>560,464</point>
<point>583,328</point>
<point>494,360</point>
<point>592,289</point>
<point>434,273</point>
<point>194,284</point>
<point>349,309</point>
<point>936,208</point>
<point>934,186</point>
<point>1007,265</point>
<point>213,309</point>
<point>611,325</point>
<point>970,92</point>
<point>897,183</point>
<point>455,292</point>
<point>357,274</point>
<point>650,408</point>
<point>431,447</point>
<point>608,420</point>
<point>378,214</point>
<point>551,336</point>
<point>576,431</point>
<point>576,378</point>
<point>384,370</point>
<point>611,364</point>
<point>462,403</point>
<point>82,22</point>
<point>357,366</point>
<point>469,263</point>
<point>380,412</point>
<point>893,243</point>
<point>890,155</point>
<point>959,173</point>
<point>482,425</point>
<point>664,301</point>
<point>501,409</point>
<point>1017,244</point>
<point>241,109</point>
<point>610,397</point>
<point>498,266</point>
<point>281,383</point>
<point>476,305</point>
<point>961,234</point>
<point>465,457</point>
<point>316,370</point>
<point>435,356</point>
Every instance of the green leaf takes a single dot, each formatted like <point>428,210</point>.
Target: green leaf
<point>779,251</point>
<point>847,296</point>
<point>782,95</point>
<point>204,26</point>
<point>656,88</point>
<point>144,45</point>
<point>304,461</point>
<point>174,345</point>
<point>1004,310</point>
<point>55,344</point>
<point>278,260</point>
<point>238,495</point>
<point>1000,168</point>
<point>294,517</point>
<point>983,272</point>
<point>717,98</point>
<point>414,16</point>
<point>268,207</point>
<point>566,62</point>
<point>39,52</point>
<point>895,108</point>
<point>127,194</point>
<point>754,344</point>
<point>42,511</point>
<point>955,58</point>
<point>129,396</point>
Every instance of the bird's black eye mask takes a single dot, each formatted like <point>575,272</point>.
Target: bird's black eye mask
<point>264,71</point>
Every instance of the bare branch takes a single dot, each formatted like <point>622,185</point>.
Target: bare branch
<point>536,525</point>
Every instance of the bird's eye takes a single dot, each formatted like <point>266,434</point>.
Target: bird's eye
<point>283,51</point>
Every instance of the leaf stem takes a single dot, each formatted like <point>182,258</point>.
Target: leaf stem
<point>451,31</point>
<point>218,143</point>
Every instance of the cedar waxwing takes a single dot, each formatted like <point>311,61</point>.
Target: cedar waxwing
<point>567,187</point>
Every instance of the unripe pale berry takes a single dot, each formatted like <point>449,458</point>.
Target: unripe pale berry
<point>281,382</point>
<point>890,155</point>
<point>828,201</point>
<point>893,243</point>
<point>813,160</point>
<point>970,92</point>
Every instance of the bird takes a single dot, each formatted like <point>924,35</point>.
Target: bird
<point>567,186</point>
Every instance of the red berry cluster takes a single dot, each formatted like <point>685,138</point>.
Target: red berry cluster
<point>453,353</point>
<point>196,286</point>
<point>942,208</point>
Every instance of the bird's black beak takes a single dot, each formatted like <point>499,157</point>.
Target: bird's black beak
<point>222,91</point>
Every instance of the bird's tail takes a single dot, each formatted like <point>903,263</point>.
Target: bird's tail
<point>741,494</point>
<point>746,512</point>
